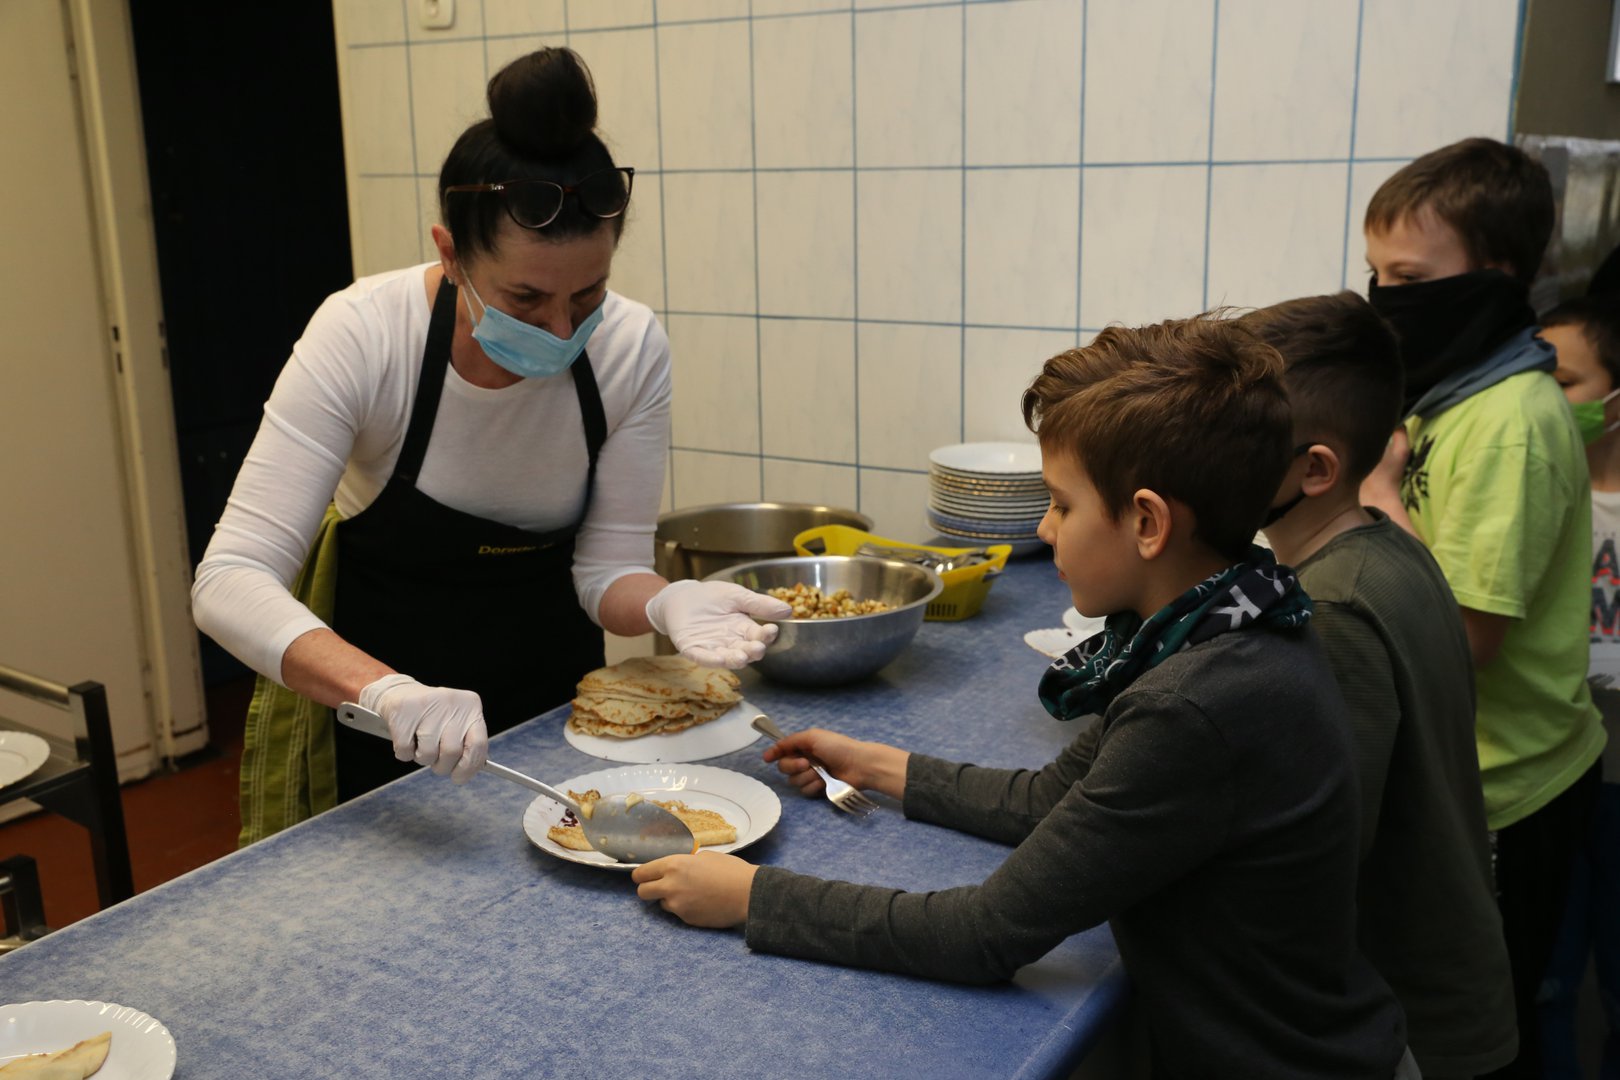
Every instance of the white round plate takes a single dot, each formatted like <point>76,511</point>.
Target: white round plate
<point>1053,642</point>
<point>1021,546</point>
<point>985,512</point>
<point>1009,484</point>
<point>1016,528</point>
<point>731,730</point>
<point>20,754</point>
<point>141,1048</point>
<point>745,802</point>
<point>995,458</point>
<point>1083,625</point>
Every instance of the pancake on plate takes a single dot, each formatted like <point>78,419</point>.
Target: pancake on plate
<point>649,695</point>
<point>75,1063</point>
<point>709,827</point>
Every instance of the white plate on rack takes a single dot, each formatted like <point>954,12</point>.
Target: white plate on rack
<point>985,511</point>
<point>1057,640</point>
<point>21,754</point>
<point>1021,546</point>
<point>994,458</point>
<point>1083,625</point>
<point>141,1048</point>
<point>728,732</point>
<point>751,807</point>
<point>1017,528</point>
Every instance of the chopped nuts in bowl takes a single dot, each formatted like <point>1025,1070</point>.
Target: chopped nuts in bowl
<point>827,648</point>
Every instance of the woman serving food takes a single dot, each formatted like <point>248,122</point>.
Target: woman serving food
<point>456,482</point>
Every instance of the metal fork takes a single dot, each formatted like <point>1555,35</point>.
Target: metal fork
<point>846,798</point>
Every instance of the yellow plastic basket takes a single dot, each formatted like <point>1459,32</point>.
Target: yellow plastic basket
<point>965,587</point>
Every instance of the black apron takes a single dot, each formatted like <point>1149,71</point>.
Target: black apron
<point>456,600</point>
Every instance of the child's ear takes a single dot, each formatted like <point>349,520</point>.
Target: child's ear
<point>1151,523</point>
<point>1322,470</point>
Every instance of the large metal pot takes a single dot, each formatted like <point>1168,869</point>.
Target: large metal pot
<point>701,540</point>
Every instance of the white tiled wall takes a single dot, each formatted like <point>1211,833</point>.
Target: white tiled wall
<point>865,225</point>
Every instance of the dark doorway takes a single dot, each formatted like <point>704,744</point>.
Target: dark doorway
<point>244,144</point>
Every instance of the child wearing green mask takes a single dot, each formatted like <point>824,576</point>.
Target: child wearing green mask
<point>1586,333</point>
<point>1488,471</point>
<point>1392,634</point>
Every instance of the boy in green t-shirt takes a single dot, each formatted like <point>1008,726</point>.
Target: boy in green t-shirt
<point>1393,636</point>
<point>1489,472</point>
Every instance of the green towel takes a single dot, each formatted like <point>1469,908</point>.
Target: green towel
<point>289,764</point>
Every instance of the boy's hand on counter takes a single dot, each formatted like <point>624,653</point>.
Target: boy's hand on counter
<point>867,765</point>
<point>707,889</point>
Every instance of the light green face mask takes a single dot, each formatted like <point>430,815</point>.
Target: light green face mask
<point>1589,417</point>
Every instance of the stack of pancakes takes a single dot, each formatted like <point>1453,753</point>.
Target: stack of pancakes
<point>651,694</point>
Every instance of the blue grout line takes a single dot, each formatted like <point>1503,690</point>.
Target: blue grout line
<point>1209,179</point>
<point>1012,167</point>
<point>483,20</point>
<point>410,112</point>
<point>961,253</point>
<point>938,324</point>
<point>799,460</point>
<point>759,344</point>
<point>855,228</point>
<point>1349,167</point>
<point>1080,211</point>
<point>663,207</point>
<point>704,21</point>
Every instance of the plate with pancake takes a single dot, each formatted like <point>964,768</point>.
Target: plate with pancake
<point>140,1048</point>
<point>728,733</point>
<point>720,798</point>
<point>650,709</point>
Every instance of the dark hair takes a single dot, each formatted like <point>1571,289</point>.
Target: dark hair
<point>1598,320</point>
<point>1343,372</point>
<point>542,126</point>
<point>1193,409</point>
<point>1497,197</point>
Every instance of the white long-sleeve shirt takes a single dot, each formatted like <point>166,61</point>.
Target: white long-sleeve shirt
<point>336,421</point>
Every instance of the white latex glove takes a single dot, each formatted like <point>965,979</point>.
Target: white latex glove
<point>708,621</point>
<point>436,726</point>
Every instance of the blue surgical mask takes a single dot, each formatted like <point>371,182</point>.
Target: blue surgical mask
<point>527,351</point>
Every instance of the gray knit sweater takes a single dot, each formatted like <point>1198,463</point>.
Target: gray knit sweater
<point>1210,816</point>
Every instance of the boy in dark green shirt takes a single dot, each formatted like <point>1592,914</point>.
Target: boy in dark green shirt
<point>1395,640</point>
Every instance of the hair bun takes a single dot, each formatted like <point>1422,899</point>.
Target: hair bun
<point>543,104</point>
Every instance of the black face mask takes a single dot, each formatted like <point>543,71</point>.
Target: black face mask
<point>1280,511</point>
<point>1451,324</point>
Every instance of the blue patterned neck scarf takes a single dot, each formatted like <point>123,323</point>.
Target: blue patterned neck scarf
<point>1256,591</point>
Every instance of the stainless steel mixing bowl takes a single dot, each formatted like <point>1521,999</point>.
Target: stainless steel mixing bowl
<point>826,652</point>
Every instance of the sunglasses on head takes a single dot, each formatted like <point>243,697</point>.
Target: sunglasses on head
<point>534,204</point>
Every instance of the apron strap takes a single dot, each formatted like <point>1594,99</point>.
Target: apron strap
<point>429,384</point>
<point>590,411</point>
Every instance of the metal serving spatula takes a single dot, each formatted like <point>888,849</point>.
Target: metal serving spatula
<point>627,832</point>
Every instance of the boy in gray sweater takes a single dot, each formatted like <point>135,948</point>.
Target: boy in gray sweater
<point>1393,635</point>
<point>1208,807</point>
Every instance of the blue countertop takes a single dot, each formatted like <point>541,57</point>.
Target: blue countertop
<point>416,932</point>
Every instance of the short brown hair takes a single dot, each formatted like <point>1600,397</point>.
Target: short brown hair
<point>1497,197</point>
<point>1343,372</point>
<point>1598,320</point>
<point>1193,409</point>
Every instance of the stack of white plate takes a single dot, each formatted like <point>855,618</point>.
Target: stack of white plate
<point>987,493</point>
